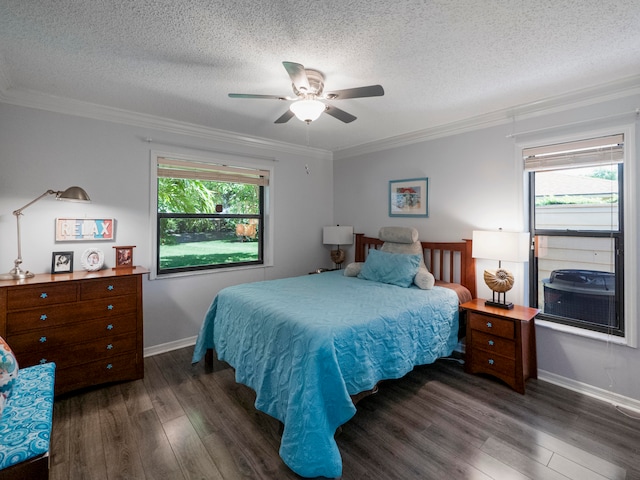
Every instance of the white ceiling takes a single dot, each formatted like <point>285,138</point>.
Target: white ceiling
<point>439,61</point>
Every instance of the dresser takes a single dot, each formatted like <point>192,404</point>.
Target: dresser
<point>88,323</point>
<point>501,342</point>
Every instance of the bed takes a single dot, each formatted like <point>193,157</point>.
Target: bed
<point>312,346</point>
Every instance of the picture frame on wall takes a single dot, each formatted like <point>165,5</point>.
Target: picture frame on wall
<point>124,256</point>
<point>409,197</point>
<point>61,262</point>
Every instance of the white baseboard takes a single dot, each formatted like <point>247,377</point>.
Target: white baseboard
<point>168,347</point>
<point>591,391</point>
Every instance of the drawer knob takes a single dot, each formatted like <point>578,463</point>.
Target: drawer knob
<point>43,295</point>
<point>110,346</point>
<point>43,316</point>
<point>43,361</point>
<point>43,339</point>
<point>489,324</point>
<point>110,287</point>
<point>491,343</point>
<point>109,366</point>
<point>110,326</point>
<point>491,362</point>
<point>109,307</point>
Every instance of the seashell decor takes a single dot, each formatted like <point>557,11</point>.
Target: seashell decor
<point>499,281</point>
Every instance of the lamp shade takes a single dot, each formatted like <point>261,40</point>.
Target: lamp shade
<point>307,110</point>
<point>503,246</point>
<point>337,235</point>
<point>73,194</point>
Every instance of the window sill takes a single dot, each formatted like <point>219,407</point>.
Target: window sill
<point>581,332</point>
<point>154,276</point>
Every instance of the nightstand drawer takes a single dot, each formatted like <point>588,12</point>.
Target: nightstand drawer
<point>492,325</point>
<point>493,344</point>
<point>487,362</point>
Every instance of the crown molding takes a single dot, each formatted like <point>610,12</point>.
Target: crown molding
<point>578,98</point>
<point>583,97</point>
<point>53,103</point>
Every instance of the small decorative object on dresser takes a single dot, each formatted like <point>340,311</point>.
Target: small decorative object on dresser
<point>501,342</point>
<point>92,259</point>
<point>62,262</point>
<point>124,256</point>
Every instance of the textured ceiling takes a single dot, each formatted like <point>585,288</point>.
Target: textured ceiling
<point>439,61</point>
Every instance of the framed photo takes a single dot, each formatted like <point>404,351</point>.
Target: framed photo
<point>409,198</point>
<point>92,259</point>
<point>62,262</point>
<point>124,257</point>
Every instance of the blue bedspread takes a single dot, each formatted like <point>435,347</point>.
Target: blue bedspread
<point>305,344</point>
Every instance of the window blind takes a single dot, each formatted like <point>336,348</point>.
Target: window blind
<point>172,168</point>
<point>583,153</point>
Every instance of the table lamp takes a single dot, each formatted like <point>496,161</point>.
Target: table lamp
<point>501,246</point>
<point>71,194</point>
<point>337,236</point>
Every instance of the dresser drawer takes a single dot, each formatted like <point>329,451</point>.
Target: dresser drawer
<point>52,316</point>
<point>116,369</point>
<point>492,325</point>
<point>487,362</point>
<point>111,287</point>
<point>493,344</point>
<point>41,295</point>
<point>103,348</point>
<point>58,337</point>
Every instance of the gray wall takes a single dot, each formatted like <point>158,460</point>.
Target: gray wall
<point>41,150</point>
<point>476,182</point>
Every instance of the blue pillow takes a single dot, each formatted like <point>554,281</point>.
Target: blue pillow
<point>393,268</point>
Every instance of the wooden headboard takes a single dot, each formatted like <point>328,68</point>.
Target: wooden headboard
<point>447,261</point>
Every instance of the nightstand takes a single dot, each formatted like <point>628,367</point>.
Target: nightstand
<point>322,270</point>
<point>501,342</point>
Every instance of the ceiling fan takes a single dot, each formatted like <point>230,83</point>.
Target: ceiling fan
<point>308,86</point>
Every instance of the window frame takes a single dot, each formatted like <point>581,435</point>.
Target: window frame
<point>628,222</point>
<point>618,241</point>
<point>265,216</point>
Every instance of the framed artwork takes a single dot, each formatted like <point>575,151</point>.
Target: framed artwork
<point>409,198</point>
<point>62,262</point>
<point>84,229</point>
<point>124,257</point>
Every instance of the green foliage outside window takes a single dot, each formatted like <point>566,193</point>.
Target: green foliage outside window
<point>207,224</point>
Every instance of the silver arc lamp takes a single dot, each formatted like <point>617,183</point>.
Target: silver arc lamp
<point>71,194</point>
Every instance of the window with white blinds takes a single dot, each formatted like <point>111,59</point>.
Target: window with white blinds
<point>576,218</point>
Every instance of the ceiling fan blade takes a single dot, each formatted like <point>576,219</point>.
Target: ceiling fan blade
<point>250,95</point>
<point>359,92</point>
<point>339,114</point>
<point>285,117</point>
<point>298,76</point>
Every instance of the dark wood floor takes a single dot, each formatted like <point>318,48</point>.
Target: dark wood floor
<point>183,422</point>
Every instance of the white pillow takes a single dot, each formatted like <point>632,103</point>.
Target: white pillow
<point>353,269</point>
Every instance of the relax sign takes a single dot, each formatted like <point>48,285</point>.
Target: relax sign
<point>73,229</point>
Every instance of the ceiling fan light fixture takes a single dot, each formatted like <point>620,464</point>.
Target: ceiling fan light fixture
<point>307,110</point>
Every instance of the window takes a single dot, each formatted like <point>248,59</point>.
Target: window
<point>576,214</point>
<point>209,216</point>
